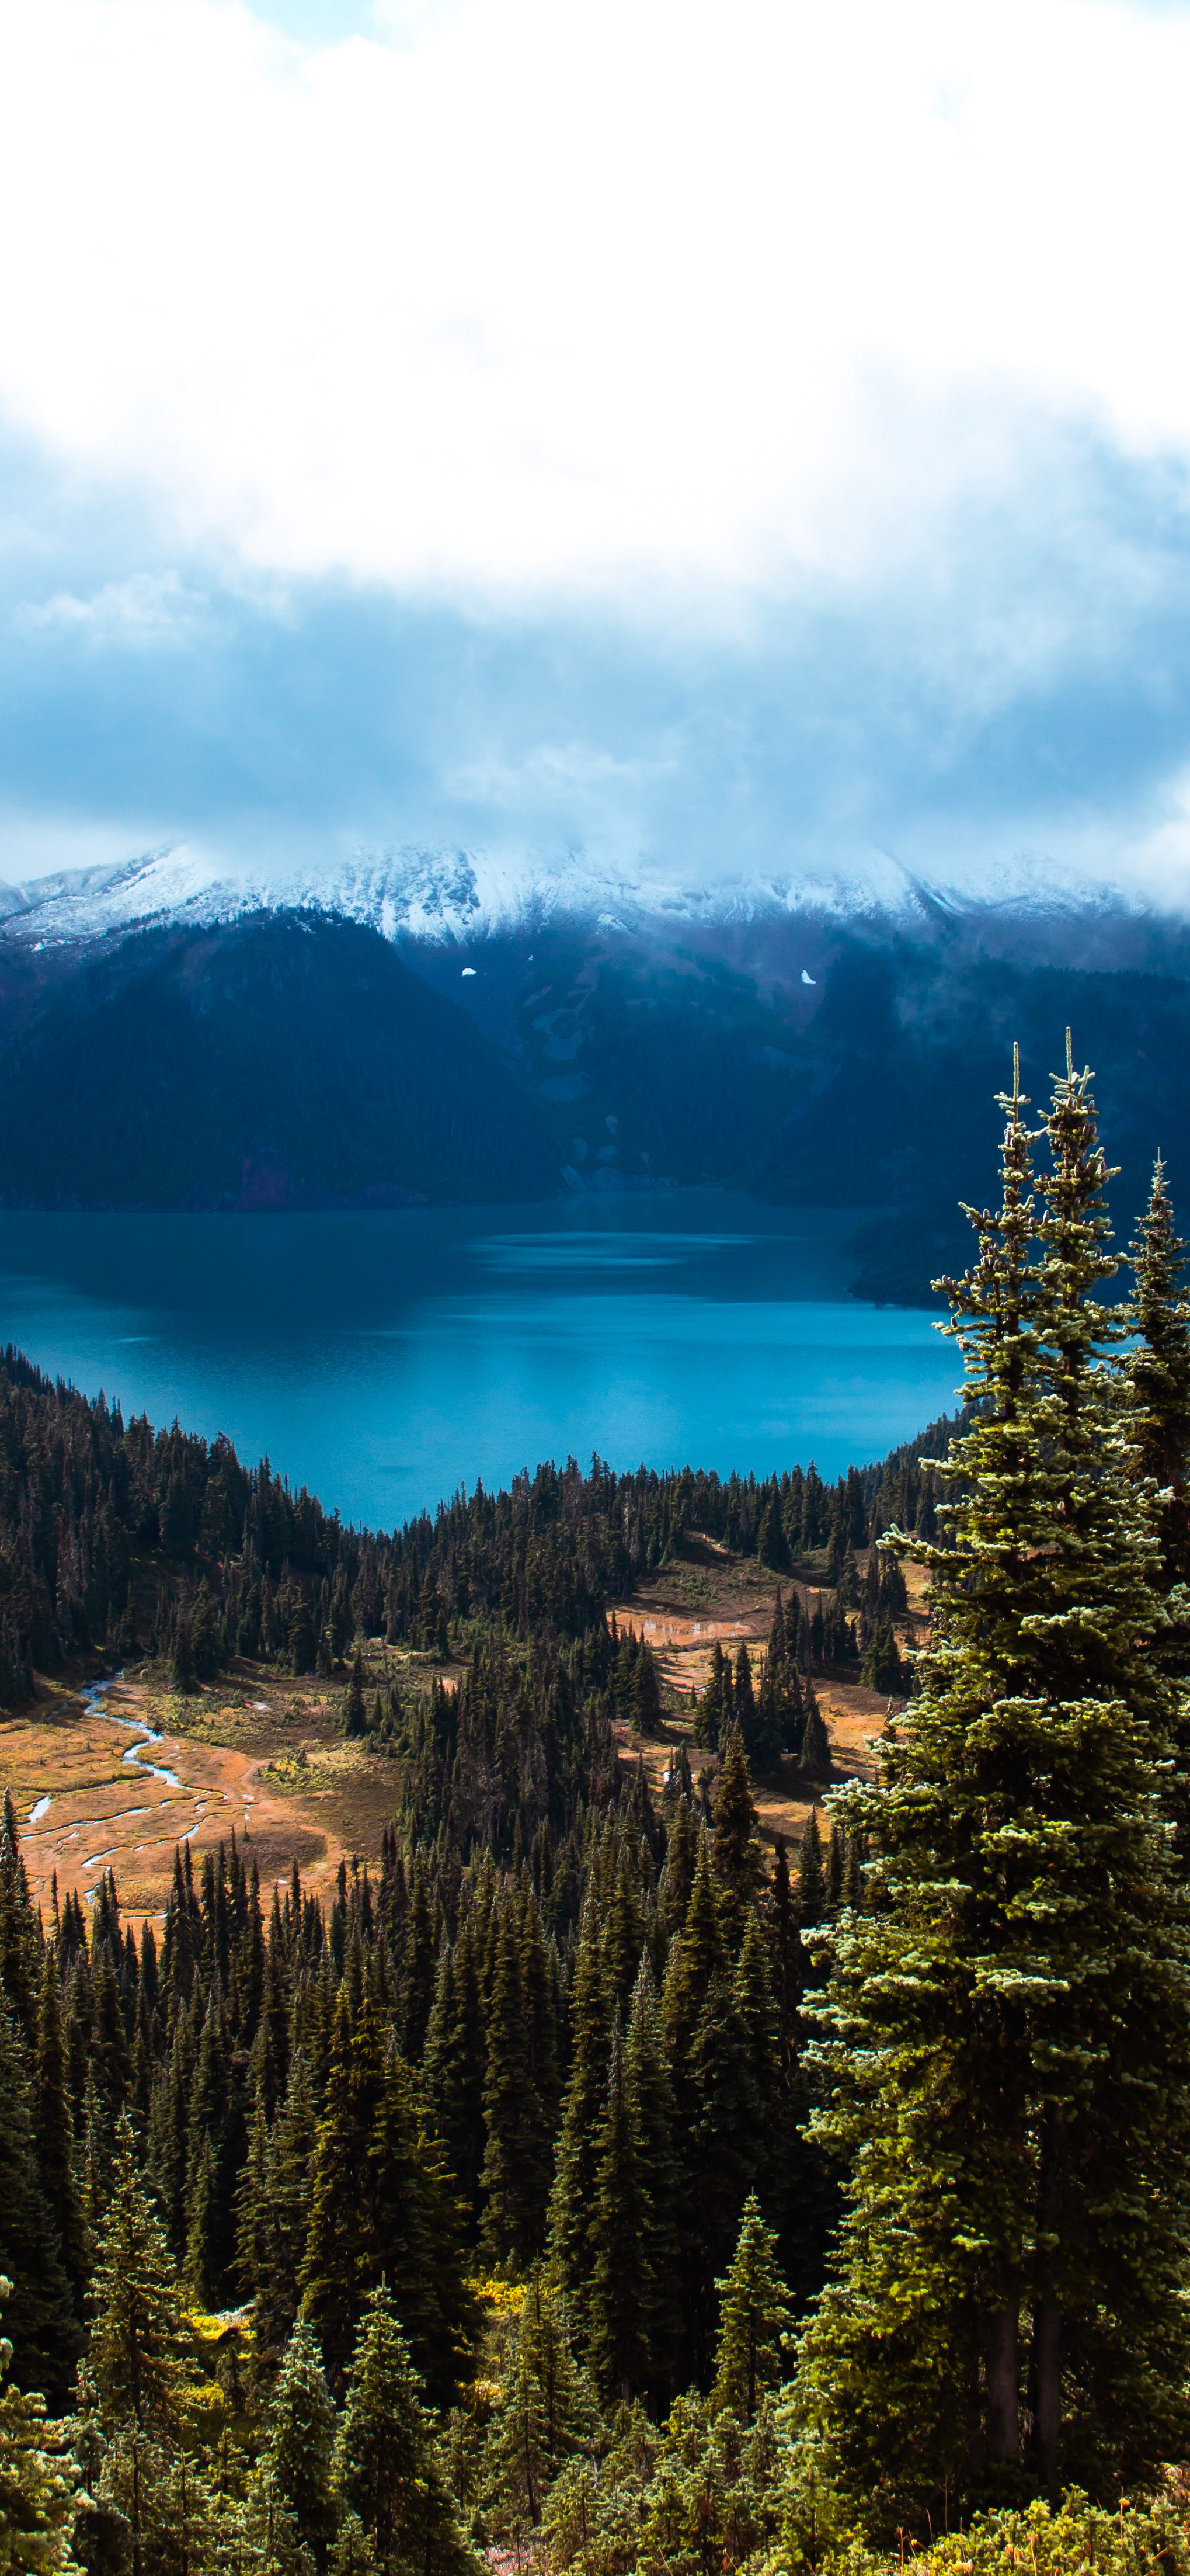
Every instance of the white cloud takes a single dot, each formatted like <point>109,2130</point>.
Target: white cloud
<point>148,608</point>
<point>632,297</point>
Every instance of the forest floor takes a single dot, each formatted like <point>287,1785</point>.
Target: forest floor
<point>708,1594</point>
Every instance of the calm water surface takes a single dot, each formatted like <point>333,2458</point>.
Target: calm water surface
<point>385,1359</point>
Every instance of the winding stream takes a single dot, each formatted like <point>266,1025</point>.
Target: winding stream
<point>138,1755</point>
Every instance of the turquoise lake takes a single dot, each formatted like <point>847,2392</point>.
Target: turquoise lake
<point>383,1359</point>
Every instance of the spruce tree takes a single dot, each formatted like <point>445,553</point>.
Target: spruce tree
<point>811,1875</point>
<point>1155,1374</point>
<point>53,2132</point>
<point>399,2222</point>
<point>754,2319</point>
<point>1008,2068</point>
<point>20,1934</point>
<point>816,1749</point>
<point>139,2349</point>
<point>735,1842</point>
<point>453,2066</point>
<point>653,2116</point>
<point>620,2293</point>
<point>572,2200</point>
<point>299,2440</point>
<point>546,2413</point>
<point>387,2468</point>
<point>515,2177</point>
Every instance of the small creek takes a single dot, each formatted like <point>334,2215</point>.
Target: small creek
<point>94,1701</point>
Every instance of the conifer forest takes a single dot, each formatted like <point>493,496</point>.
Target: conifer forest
<point>596,2183</point>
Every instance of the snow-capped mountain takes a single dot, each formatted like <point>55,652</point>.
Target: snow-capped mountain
<point>447,895</point>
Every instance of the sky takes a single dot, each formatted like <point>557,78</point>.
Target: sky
<point>724,438</point>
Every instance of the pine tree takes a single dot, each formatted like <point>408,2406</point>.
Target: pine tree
<point>743,1695</point>
<point>754,2319</point>
<point>286,2216</point>
<point>299,2440</point>
<point>1011,2003</point>
<point>387,2468</point>
<point>139,2350</point>
<point>726,2145</point>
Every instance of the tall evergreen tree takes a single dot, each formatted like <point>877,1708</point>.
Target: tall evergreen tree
<point>620,2294</point>
<point>1014,2002</point>
<point>754,2319</point>
<point>735,1845</point>
<point>387,2468</point>
<point>20,1937</point>
<point>515,2177</point>
<point>453,2067</point>
<point>399,2222</point>
<point>572,2200</point>
<point>1156,1373</point>
<point>139,2349</point>
<point>653,2118</point>
<point>53,2132</point>
<point>298,2446</point>
<point>39,2309</point>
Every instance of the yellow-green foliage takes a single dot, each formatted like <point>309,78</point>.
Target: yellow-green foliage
<point>1073,2539</point>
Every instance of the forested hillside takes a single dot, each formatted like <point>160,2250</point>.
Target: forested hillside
<point>586,2180</point>
<point>115,1537</point>
<point>269,1063</point>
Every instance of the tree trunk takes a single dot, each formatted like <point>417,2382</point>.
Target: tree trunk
<point>1003,2397</point>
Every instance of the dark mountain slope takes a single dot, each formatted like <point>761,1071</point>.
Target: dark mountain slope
<point>911,1045</point>
<point>278,1061</point>
<point>291,1059</point>
<point>709,1058</point>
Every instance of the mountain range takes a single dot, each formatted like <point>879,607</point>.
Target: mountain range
<point>431,1025</point>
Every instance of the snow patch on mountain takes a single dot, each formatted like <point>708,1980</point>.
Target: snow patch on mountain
<point>445,895</point>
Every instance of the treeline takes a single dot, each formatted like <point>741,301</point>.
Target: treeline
<point>121,1539</point>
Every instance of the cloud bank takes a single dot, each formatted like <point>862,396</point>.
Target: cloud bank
<point>742,437</point>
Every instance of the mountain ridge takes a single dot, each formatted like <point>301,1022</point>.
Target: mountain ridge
<point>450,895</point>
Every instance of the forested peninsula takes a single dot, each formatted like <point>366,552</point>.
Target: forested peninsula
<point>595,2182</point>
